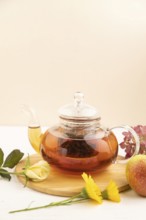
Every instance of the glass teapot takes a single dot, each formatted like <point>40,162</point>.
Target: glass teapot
<point>78,143</point>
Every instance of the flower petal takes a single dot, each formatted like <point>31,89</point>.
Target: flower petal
<point>92,189</point>
<point>111,192</point>
<point>38,171</point>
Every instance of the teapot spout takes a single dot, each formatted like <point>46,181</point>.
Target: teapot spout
<point>35,137</point>
<point>34,129</point>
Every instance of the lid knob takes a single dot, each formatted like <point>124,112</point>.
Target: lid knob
<point>78,100</point>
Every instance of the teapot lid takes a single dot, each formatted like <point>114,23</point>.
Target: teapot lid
<point>78,110</point>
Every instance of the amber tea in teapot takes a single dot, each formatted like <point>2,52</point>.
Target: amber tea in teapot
<point>78,143</point>
<point>79,153</point>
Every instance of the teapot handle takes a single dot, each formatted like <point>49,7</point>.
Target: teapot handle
<point>136,138</point>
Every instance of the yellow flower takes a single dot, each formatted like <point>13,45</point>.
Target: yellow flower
<point>38,172</point>
<point>111,192</point>
<point>91,189</point>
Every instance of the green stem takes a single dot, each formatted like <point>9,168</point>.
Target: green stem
<point>14,173</point>
<point>72,199</point>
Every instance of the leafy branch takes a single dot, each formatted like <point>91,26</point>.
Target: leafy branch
<point>9,162</point>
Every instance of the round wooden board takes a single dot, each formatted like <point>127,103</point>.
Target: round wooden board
<point>64,184</point>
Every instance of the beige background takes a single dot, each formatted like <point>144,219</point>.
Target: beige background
<point>51,48</point>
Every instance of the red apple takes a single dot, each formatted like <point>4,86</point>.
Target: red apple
<point>136,174</point>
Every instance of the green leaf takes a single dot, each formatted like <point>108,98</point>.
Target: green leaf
<point>13,158</point>
<point>1,157</point>
<point>5,174</point>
